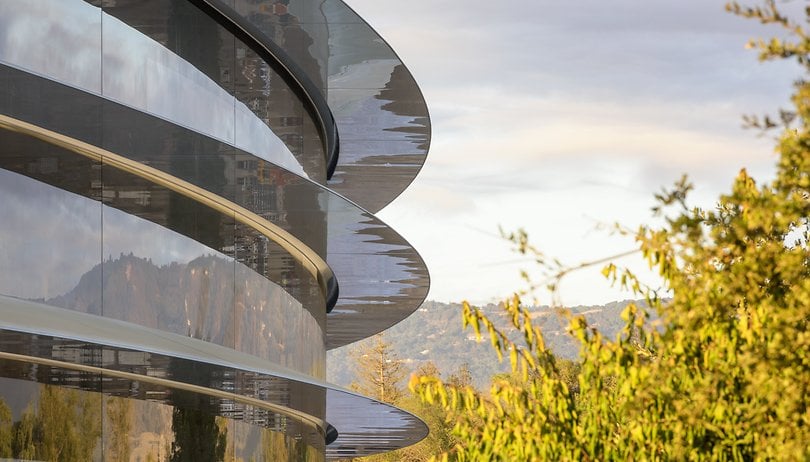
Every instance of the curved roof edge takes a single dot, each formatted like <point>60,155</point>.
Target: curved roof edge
<point>361,179</point>
<point>379,110</point>
<point>275,56</point>
<point>361,314</point>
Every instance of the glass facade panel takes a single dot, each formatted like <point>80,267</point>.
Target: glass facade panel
<point>148,256</point>
<point>167,218</point>
<point>57,38</point>
<point>77,423</point>
<point>39,219</point>
<point>150,55</point>
<point>49,422</point>
<point>372,95</point>
<point>203,65</point>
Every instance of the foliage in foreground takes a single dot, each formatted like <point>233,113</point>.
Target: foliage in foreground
<point>726,376</point>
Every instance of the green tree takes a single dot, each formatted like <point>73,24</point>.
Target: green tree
<point>66,426</point>
<point>439,422</point>
<point>379,371</point>
<point>725,376</point>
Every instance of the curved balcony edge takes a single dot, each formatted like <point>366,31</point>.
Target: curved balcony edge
<point>286,66</point>
<point>386,199</point>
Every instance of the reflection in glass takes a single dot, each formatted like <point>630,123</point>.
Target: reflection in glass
<point>42,422</point>
<point>136,70</point>
<point>379,110</point>
<point>56,423</point>
<point>57,38</point>
<point>149,276</point>
<point>398,278</point>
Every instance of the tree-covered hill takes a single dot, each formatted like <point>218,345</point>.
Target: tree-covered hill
<point>434,333</point>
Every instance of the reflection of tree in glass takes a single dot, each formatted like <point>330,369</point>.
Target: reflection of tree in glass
<point>197,437</point>
<point>65,427</point>
<point>6,430</point>
<point>279,446</point>
<point>69,424</point>
<point>24,446</point>
<point>119,416</point>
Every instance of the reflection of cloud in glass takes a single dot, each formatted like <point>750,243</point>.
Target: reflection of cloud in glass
<point>125,234</point>
<point>61,39</point>
<point>362,246</point>
<point>61,241</point>
<point>57,38</point>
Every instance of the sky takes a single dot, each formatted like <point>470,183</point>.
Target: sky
<point>563,118</point>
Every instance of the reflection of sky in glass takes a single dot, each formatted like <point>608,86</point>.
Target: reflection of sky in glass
<point>372,269</point>
<point>57,38</point>
<point>61,39</point>
<point>125,233</point>
<point>360,419</point>
<point>359,112</point>
<point>62,238</point>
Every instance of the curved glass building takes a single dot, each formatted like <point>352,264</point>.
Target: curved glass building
<point>188,189</point>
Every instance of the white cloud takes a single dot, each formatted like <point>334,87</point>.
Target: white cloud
<point>555,116</point>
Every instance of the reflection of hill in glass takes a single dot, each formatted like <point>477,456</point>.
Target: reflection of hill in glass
<point>199,299</point>
<point>176,297</point>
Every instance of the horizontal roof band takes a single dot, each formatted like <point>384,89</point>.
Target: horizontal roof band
<point>316,266</point>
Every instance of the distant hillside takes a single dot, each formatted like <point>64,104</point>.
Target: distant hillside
<point>434,333</point>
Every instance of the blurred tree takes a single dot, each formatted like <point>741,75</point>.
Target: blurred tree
<point>461,377</point>
<point>428,368</point>
<point>66,426</point>
<point>198,437</point>
<point>725,376</point>
<point>379,371</point>
<point>439,422</point>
